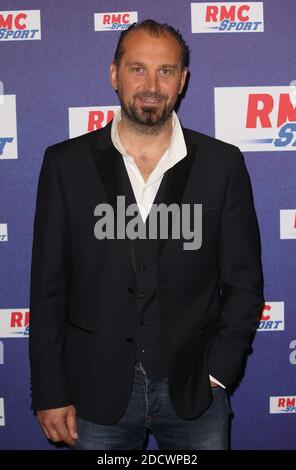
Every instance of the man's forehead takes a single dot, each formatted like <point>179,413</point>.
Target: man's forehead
<point>141,43</point>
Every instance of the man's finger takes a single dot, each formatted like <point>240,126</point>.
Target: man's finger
<point>63,433</point>
<point>71,423</point>
<point>53,435</point>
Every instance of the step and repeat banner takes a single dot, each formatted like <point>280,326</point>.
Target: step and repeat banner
<point>54,84</point>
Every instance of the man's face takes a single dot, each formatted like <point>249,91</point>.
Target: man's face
<point>149,78</point>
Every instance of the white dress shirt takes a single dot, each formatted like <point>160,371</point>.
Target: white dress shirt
<point>145,192</point>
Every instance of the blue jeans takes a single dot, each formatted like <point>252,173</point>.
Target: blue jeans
<point>150,408</point>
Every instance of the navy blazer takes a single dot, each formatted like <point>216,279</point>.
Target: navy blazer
<point>82,302</point>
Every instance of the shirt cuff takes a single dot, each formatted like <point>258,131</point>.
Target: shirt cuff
<point>216,382</point>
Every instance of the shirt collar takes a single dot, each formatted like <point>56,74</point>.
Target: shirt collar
<point>176,151</point>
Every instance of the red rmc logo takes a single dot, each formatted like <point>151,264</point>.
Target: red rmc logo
<point>262,104</point>
<point>19,319</point>
<point>113,18</point>
<point>216,13</point>
<point>96,119</point>
<point>13,21</point>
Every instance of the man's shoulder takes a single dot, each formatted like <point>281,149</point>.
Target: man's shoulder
<point>209,143</point>
<point>76,145</point>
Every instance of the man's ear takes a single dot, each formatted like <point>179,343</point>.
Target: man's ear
<point>113,75</point>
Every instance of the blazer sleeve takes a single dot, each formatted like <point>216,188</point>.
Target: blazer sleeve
<point>240,279</point>
<point>50,271</point>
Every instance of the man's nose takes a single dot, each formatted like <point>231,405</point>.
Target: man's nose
<point>152,82</point>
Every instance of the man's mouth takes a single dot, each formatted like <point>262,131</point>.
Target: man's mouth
<point>149,100</point>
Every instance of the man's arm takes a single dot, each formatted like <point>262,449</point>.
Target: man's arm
<point>241,281</point>
<point>50,272</point>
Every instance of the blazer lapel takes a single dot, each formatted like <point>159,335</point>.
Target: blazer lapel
<point>107,164</point>
<point>107,161</point>
<point>177,179</point>
<point>106,158</point>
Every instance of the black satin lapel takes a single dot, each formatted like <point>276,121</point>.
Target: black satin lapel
<point>177,179</point>
<point>107,163</point>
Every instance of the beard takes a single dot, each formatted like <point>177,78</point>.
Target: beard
<point>147,119</point>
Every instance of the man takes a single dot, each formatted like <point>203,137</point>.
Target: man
<point>133,333</point>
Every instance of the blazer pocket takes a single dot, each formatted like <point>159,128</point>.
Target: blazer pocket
<point>81,320</point>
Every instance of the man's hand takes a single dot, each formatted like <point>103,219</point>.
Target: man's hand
<point>59,424</point>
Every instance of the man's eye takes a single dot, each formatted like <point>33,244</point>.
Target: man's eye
<point>137,69</point>
<point>165,72</point>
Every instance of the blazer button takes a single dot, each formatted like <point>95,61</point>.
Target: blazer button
<point>142,322</point>
<point>142,267</point>
<point>129,339</point>
<point>141,295</point>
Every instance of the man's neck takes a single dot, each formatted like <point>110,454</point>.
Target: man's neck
<point>137,143</point>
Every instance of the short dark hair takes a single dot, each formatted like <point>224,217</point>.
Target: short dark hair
<point>153,28</point>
